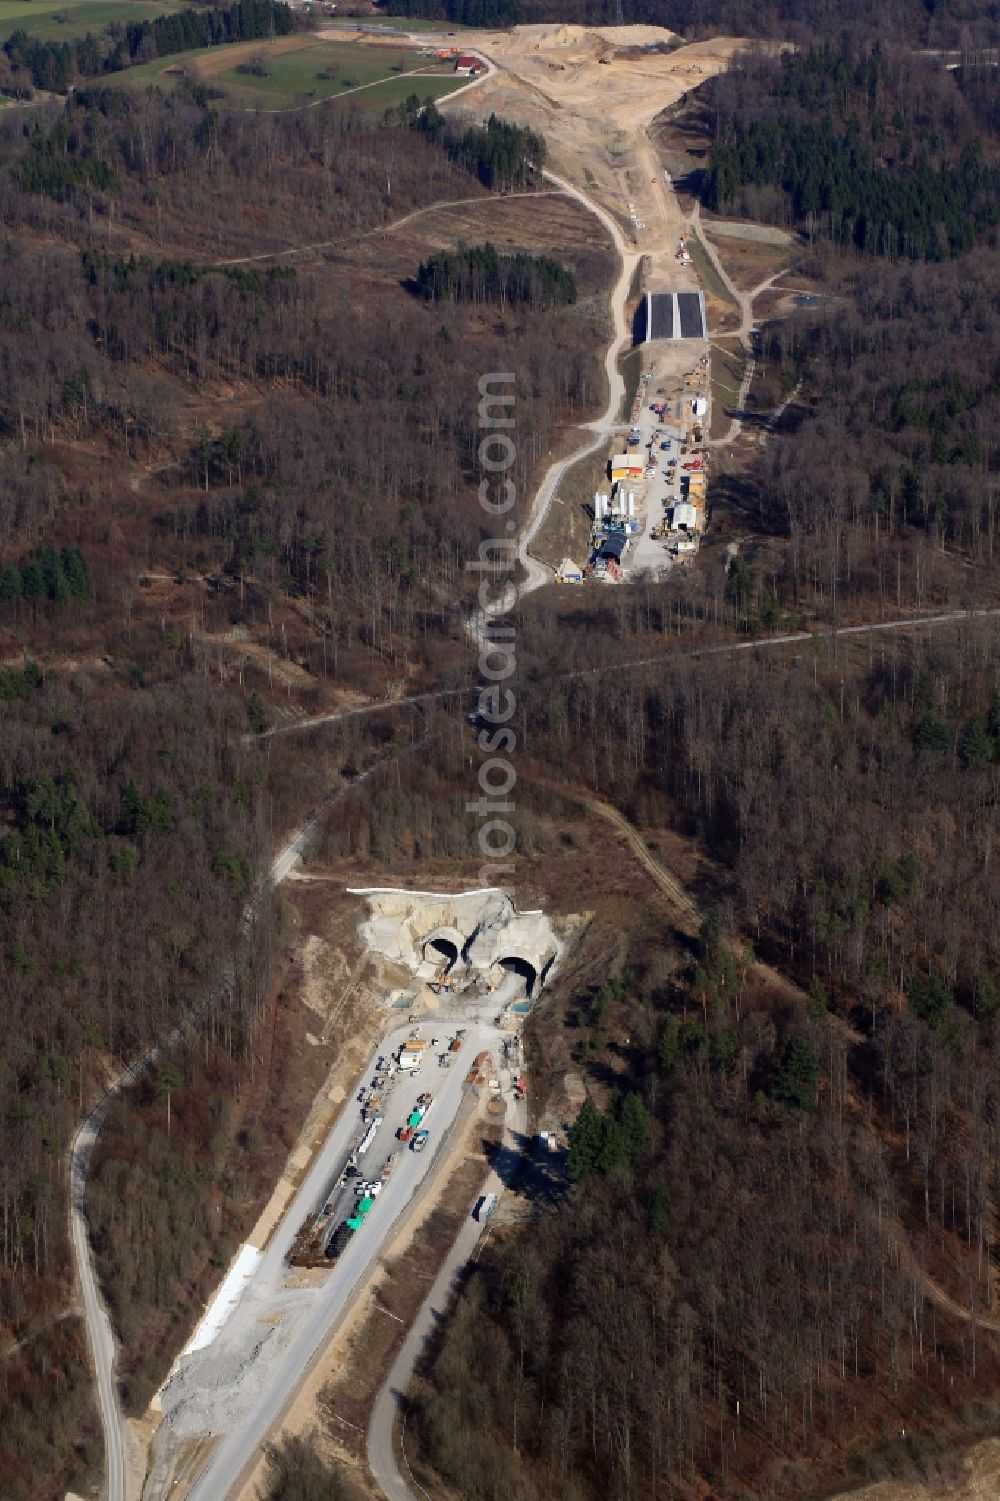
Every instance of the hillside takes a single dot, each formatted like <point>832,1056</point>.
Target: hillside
<point>226,485</point>
<point>249,362</point>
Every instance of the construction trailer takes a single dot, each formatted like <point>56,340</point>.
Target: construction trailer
<point>627,466</point>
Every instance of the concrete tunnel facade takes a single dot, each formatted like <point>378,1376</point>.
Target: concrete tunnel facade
<point>445,942</point>
<point>474,931</point>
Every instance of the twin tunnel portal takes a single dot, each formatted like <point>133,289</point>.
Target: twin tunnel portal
<point>447,947</point>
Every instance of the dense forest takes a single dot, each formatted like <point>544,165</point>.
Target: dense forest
<point>503,156</point>
<point>56,66</point>
<point>479,273</point>
<point>901,372</point>
<point>872,149</point>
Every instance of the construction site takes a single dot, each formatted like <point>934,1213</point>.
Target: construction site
<point>648,516</point>
<point>655,511</point>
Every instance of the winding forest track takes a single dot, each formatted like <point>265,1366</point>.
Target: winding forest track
<point>381,230</point>
<point>684,907</point>
<point>99,1331</point>
<point>663,879</point>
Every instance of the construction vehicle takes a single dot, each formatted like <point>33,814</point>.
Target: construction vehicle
<point>361,1212</point>
<point>369,1135</point>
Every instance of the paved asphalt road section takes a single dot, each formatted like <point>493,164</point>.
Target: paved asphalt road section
<point>238,1387</point>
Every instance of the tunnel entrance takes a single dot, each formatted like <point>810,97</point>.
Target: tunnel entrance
<point>439,949</point>
<point>515,965</point>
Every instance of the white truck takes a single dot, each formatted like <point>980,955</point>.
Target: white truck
<point>369,1135</point>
